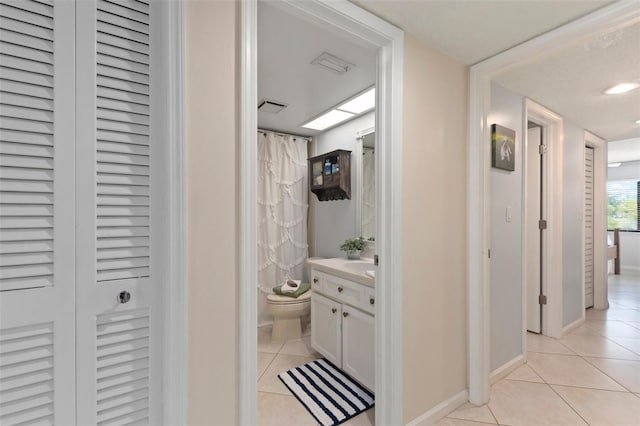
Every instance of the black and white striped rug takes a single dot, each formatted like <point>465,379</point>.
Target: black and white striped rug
<point>330,395</point>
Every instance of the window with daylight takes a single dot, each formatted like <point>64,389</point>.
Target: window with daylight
<point>623,205</point>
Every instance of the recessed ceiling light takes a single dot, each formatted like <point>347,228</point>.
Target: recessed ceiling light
<point>637,121</point>
<point>329,119</point>
<point>614,164</point>
<point>622,88</point>
<point>362,103</point>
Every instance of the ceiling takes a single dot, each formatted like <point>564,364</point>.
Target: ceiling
<point>286,47</point>
<point>473,30</point>
<point>624,151</point>
<point>571,81</point>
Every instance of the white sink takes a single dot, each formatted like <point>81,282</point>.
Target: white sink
<point>359,266</point>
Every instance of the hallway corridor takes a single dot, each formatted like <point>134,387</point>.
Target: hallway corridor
<point>589,377</point>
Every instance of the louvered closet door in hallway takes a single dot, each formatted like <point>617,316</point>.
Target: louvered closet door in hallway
<point>588,227</point>
<point>119,366</point>
<point>37,282</point>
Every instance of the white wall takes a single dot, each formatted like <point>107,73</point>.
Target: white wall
<point>434,214</point>
<point>629,170</point>
<point>572,217</point>
<point>629,241</point>
<point>506,238</point>
<point>334,221</point>
<point>629,250</point>
<point>210,145</point>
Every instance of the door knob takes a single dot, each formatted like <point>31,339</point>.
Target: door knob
<point>124,297</point>
<point>334,310</point>
<point>315,280</point>
<point>340,289</point>
<point>345,314</point>
<point>371,301</point>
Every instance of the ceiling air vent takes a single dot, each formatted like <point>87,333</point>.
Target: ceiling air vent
<point>271,106</point>
<point>332,63</point>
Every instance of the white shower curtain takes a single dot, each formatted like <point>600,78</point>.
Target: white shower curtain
<point>282,213</point>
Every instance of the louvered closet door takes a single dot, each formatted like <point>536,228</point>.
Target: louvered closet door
<point>37,298</point>
<point>588,227</point>
<point>119,371</point>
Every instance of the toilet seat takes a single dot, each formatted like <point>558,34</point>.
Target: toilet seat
<point>276,299</point>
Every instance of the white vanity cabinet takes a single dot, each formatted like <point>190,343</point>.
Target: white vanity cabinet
<point>342,325</point>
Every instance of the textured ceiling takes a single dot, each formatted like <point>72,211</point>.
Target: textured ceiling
<point>286,47</point>
<point>473,30</point>
<point>624,150</point>
<point>571,83</point>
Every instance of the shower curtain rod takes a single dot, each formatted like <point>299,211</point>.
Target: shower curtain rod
<point>265,131</point>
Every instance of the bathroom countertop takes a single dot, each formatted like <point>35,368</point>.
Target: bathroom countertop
<point>353,270</point>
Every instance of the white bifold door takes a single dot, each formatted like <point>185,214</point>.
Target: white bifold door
<point>588,227</point>
<point>79,334</point>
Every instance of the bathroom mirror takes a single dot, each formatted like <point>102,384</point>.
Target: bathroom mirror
<point>367,186</point>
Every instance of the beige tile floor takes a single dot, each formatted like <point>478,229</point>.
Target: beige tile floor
<point>276,405</point>
<point>589,377</point>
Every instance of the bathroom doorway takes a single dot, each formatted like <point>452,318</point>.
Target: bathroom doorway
<point>386,41</point>
<point>316,92</point>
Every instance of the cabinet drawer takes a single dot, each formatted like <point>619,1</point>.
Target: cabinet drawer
<point>345,291</point>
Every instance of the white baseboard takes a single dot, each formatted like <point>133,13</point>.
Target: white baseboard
<point>577,323</point>
<point>441,410</point>
<point>506,369</point>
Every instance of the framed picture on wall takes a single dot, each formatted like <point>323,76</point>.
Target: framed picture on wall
<point>503,148</point>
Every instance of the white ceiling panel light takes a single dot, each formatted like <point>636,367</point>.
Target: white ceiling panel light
<point>328,119</point>
<point>622,88</point>
<point>360,103</point>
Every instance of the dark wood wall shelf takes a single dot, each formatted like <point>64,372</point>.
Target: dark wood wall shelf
<point>330,175</point>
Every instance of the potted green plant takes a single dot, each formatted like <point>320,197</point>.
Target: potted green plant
<point>353,246</point>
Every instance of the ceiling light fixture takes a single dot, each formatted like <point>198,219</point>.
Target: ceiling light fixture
<point>622,88</point>
<point>332,63</point>
<point>361,103</point>
<point>328,119</point>
<point>637,121</point>
<point>614,164</point>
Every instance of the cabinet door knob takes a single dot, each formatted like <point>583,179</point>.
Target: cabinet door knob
<point>371,301</point>
<point>334,310</point>
<point>345,314</point>
<point>315,280</point>
<point>340,289</point>
<point>124,297</point>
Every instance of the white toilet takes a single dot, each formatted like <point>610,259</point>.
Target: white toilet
<point>287,314</point>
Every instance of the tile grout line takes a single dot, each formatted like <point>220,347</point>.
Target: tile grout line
<point>605,373</point>
<point>567,402</point>
<point>493,415</point>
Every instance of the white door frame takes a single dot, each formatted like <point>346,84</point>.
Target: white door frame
<point>357,23</point>
<point>172,253</point>
<point>601,21</point>
<point>551,245</point>
<point>600,287</point>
